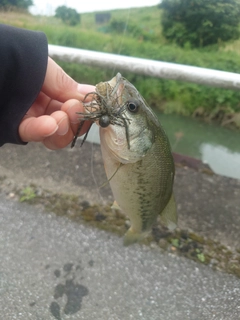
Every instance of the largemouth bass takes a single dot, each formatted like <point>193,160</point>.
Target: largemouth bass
<point>136,154</point>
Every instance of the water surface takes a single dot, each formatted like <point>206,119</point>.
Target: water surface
<point>217,146</point>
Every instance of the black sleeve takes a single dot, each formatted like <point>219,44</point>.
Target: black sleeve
<point>23,63</point>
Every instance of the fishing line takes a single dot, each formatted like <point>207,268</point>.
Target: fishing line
<point>120,47</point>
<point>105,183</point>
<point>92,149</point>
<point>92,167</point>
<point>122,37</point>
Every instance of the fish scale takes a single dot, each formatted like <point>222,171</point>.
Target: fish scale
<point>141,177</point>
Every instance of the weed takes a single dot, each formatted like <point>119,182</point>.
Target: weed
<point>27,194</point>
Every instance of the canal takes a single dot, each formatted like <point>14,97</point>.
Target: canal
<point>216,146</point>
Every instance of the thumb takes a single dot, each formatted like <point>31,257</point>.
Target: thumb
<point>58,85</point>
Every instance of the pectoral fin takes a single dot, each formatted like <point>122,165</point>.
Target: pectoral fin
<point>169,214</point>
<point>115,205</point>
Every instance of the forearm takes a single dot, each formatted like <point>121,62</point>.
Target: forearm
<point>23,58</point>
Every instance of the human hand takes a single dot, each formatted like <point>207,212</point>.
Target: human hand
<point>52,118</point>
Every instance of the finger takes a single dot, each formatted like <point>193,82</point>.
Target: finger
<point>55,141</point>
<point>39,106</point>
<point>73,108</point>
<point>53,106</point>
<point>36,129</point>
<point>63,136</point>
<point>86,88</point>
<point>59,86</point>
<point>43,105</point>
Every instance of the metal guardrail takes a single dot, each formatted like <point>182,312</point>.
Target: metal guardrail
<point>153,68</point>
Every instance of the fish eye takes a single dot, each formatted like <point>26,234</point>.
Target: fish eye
<point>104,121</point>
<point>133,105</point>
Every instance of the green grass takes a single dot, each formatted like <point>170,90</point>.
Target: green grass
<point>232,46</point>
<point>166,95</point>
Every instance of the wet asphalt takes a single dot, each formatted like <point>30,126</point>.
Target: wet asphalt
<point>53,268</point>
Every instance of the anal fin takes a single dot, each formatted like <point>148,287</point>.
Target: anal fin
<point>169,214</point>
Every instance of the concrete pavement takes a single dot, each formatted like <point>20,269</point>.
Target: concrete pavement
<point>52,268</point>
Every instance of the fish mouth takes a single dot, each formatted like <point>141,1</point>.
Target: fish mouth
<point>115,80</point>
<point>117,85</point>
<point>107,107</point>
<point>118,137</point>
<point>119,147</point>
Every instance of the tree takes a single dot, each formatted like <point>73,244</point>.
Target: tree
<point>200,22</point>
<point>22,4</point>
<point>68,15</point>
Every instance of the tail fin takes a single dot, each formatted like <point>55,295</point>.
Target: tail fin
<point>132,236</point>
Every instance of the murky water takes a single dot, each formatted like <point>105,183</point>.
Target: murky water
<point>217,146</point>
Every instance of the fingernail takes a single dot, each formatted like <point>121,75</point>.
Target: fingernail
<point>73,113</point>
<point>85,88</point>
<point>50,134</point>
<point>63,126</point>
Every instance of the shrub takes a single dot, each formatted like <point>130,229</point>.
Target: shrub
<point>200,22</point>
<point>21,4</point>
<point>68,15</point>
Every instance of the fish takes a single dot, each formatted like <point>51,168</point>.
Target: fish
<point>137,156</point>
